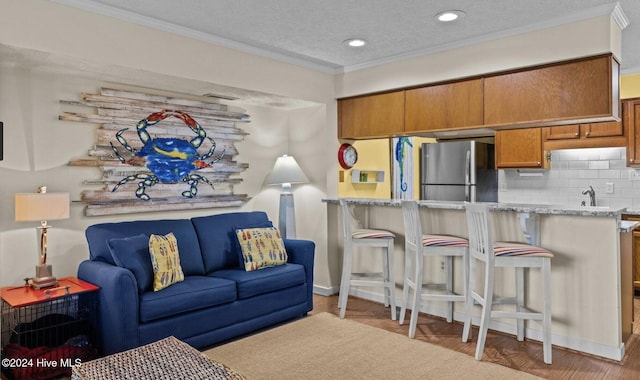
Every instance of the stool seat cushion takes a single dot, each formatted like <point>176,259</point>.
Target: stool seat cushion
<point>372,234</point>
<point>443,241</point>
<point>505,249</point>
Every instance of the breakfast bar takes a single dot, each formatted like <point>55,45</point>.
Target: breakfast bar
<point>591,280</point>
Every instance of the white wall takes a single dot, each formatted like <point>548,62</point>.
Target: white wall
<point>38,148</point>
<point>571,172</point>
<point>94,49</point>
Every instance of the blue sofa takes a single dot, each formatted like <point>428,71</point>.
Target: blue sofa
<point>217,301</point>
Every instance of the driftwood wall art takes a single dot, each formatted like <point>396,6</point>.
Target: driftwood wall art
<point>159,153</point>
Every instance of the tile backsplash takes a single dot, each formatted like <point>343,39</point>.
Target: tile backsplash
<point>573,171</point>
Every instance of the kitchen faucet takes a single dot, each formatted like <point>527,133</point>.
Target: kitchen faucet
<point>592,196</point>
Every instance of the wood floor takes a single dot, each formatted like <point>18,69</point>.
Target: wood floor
<point>500,348</point>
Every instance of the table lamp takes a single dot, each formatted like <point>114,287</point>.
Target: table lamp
<point>285,172</point>
<point>42,206</point>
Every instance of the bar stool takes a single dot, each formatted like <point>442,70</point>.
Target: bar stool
<point>419,245</point>
<point>366,238</point>
<point>482,247</point>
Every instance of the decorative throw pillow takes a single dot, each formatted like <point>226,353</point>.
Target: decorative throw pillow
<point>261,247</point>
<point>132,253</point>
<point>235,242</point>
<point>165,261</point>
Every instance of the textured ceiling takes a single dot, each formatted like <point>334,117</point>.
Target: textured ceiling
<point>311,32</point>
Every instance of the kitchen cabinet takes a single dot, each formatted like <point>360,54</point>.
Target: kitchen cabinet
<point>588,135</point>
<point>519,148</point>
<point>371,116</point>
<point>631,121</point>
<point>578,89</point>
<point>444,106</point>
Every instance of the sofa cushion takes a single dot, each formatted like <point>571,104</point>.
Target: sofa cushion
<point>133,253</point>
<point>195,292</point>
<point>261,248</point>
<point>217,237</point>
<point>190,256</point>
<point>262,281</point>
<point>165,261</point>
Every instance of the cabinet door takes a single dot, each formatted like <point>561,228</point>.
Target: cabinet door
<point>572,90</point>
<point>519,148</point>
<point>606,129</point>
<point>445,106</point>
<point>631,120</point>
<point>593,135</point>
<point>562,132</point>
<point>380,115</point>
<point>583,131</point>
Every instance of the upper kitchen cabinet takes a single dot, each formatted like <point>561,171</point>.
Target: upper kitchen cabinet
<point>519,149</point>
<point>590,135</point>
<point>444,106</point>
<point>631,121</point>
<point>371,116</point>
<point>575,90</point>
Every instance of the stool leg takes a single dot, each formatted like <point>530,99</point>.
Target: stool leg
<point>520,302</point>
<point>546,309</point>
<point>385,275</point>
<point>408,261</point>
<point>346,279</point>
<point>419,274</point>
<point>448,270</point>
<point>391,279</point>
<point>468,305</point>
<point>486,311</point>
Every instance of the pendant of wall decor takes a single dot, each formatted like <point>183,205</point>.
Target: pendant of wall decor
<point>155,156</point>
<point>402,185</point>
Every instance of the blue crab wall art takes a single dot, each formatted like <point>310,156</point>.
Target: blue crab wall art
<point>169,160</point>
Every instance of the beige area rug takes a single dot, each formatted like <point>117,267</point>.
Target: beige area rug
<point>324,346</point>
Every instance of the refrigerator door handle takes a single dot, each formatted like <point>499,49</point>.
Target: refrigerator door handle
<point>467,180</point>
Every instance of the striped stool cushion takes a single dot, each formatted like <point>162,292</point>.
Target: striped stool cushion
<point>501,248</point>
<point>443,241</point>
<point>372,234</point>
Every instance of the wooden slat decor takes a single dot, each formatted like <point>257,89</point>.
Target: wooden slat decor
<point>114,110</point>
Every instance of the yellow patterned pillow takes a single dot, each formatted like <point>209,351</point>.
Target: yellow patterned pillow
<point>261,247</point>
<point>165,261</point>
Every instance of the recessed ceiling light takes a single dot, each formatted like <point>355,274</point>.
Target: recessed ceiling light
<point>448,16</point>
<point>355,42</point>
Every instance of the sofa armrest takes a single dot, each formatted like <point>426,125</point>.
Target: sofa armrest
<point>303,252</point>
<point>117,309</point>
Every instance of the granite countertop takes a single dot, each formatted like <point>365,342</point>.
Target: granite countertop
<point>627,225</point>
<point>513,207</point>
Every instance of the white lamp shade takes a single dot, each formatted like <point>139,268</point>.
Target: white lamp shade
<point>39,207</point>
<point>286,170</point>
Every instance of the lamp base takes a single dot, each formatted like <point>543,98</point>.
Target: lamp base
<point>44,277</point>
<point>286,219</point>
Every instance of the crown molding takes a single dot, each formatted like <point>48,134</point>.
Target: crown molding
<point>619,16</point>
<point>615,10</point>
<point>135,18</point>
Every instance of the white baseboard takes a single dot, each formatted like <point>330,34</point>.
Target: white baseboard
<point>324,291</point>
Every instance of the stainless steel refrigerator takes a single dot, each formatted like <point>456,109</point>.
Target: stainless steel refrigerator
<point>458,171</point>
